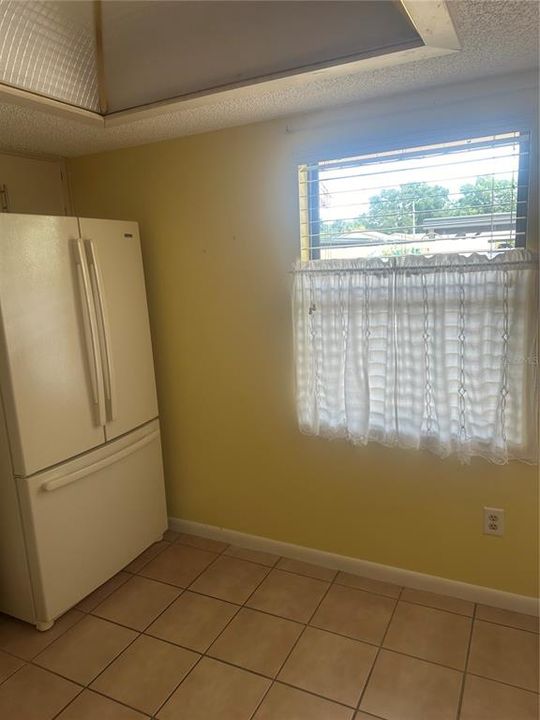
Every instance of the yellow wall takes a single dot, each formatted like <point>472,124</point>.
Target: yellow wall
<point>218,215</point>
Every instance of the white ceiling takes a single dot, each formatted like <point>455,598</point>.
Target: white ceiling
<point>496,37</point>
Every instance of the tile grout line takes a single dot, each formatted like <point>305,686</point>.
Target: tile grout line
<point>138,635</point>
<point>148,561</point>
<point>274,679</point>
<point>363,691</point>
<point>204,654</point>
<point>240,607</point>
<point>106,697</point>
<point>353,587</point>
<point>508,627</point>
<point>466,665</point>
<point>11,674</point>
<point>232,664</point>
<point>68,704</point>
<point>329,632</point>
<point>222,552</point>
<point>306,625</point>
<point>368,642</point>
<point>86,686</point>
<point>183,590</point>
<point>333,581</point>
<point>30,660</point>
<point>506,684</point>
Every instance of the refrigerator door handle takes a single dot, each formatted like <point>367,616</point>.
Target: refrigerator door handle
<point>60,482</point>
<point>92,346</point>
<point>97,285</point>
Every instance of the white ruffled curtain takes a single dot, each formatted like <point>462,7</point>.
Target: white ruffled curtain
<point>425,352</point>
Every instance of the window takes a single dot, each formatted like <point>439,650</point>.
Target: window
<point>414,303</point>
<point>462,196</point>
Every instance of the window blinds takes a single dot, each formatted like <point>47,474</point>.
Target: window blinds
<point>460,196</point>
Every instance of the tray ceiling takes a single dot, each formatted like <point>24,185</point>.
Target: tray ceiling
<point>495,38</point>
<point>160,50</point>
<point>113,56</point>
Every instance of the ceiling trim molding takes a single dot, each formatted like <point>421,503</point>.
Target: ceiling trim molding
<point>431,20</point>
<point>267,83</point>
<point>55,107</point>
<point>100,63</point>
<point>433,23</point>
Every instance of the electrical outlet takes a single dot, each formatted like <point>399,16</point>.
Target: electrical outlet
<point>493,521</point>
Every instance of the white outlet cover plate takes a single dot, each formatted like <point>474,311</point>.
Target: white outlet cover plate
<point>493,521</point>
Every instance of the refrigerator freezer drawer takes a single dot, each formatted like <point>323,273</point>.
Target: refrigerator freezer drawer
<point>88,518</point>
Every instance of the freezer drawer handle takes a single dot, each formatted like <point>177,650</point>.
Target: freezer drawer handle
<point>64,480</point>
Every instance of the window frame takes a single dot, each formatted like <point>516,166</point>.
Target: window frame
<point>309,187</point>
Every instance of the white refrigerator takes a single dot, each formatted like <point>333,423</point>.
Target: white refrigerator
<point>81,476</point>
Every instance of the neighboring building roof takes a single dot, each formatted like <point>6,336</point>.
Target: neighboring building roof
<point>471,223</point>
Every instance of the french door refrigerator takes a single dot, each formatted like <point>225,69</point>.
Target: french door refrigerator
<point>81,478</point>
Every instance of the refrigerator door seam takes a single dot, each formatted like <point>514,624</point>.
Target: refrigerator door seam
<point>105,444</point>
<point>56,483</point>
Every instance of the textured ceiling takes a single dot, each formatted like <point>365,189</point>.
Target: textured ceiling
<point>497,37</point>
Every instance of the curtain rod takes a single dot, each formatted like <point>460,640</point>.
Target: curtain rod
<point>515,264</point>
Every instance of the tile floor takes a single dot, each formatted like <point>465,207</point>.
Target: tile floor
<point>196,630</point>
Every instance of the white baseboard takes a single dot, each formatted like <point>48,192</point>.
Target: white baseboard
<point>375,571</point>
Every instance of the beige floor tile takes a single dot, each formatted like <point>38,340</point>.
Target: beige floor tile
<point>102,592</point>
<point>429,634</point>
<point>257,641</point>
<point>230,579</point>
<point>171,536</point>
<point>356,613</point>
<point>137,603</point>
<point>22,639</point>
<point>85,650</point>
<point>193,621</point>
<point>178,565</point>
<point>307,569</point>
<point>329,665</point>
<point>8,665</point>
<point>256,556</point>
<point>202,543</point>
<point>489,700</point>
<point>363,583</point>
<point>144,558</point>
<point>404,688</point>
<point>505,654</point>
<point>290,596</point>
<point>440,602</point>
<point>286,703</point>
<point>145,674</point>
<point>91,706</point>
<point>364,716</point>
<point>35,694</point>
<point>507,617</point>
<point>235,694</point>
